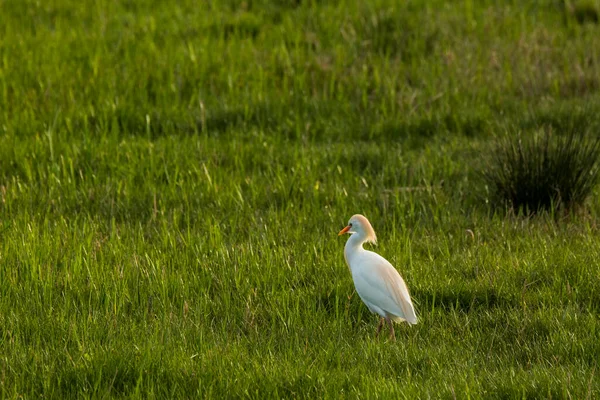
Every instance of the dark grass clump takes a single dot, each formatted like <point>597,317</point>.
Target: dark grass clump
<point>584,11</point>
<point>544,172</point>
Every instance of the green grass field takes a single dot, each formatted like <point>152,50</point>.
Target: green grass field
<point>173,176</point>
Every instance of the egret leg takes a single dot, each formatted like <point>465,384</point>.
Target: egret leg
<point>392,334</point>
<point>379,327</point>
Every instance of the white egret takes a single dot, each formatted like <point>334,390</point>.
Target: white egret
<point>377,282</point>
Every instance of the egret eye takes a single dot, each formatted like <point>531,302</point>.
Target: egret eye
<point>350,225</point>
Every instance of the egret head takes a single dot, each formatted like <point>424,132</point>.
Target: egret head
<point>360,226</point>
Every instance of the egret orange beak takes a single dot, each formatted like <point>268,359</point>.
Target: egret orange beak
<point>346,229</point>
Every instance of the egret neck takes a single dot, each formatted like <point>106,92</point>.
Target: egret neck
<point>353,247</point>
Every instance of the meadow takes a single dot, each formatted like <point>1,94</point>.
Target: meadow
<point>173,176</point>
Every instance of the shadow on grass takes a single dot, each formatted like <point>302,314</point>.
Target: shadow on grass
<point>561,119</point>
<point>461,299</point>
<point>418,131</point>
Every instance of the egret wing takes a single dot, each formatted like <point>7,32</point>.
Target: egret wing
<point>379,284</point>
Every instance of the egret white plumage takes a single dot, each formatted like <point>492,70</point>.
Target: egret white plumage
<point>377,282</point>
